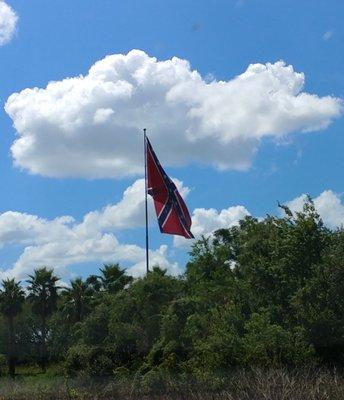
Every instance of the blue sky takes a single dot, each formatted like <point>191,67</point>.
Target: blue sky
<point>220,39</point>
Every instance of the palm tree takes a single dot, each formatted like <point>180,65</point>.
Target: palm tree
<point>43,297</point>
<point>11,301</point>
<point>113,278</point>
<point>77,299</point>
<point>93,281</point>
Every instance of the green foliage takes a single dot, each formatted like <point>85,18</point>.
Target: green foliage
<point>319,305</point>
<point>94,330</point>
<point>11,298</point>
<point>11,303</point>
<point>112,279</point>
<point>136,312</point>
<point>267,344</point>
<point>3,363</point>
<point>267,293</point>
<point>43,292</point>
<point>92,360</point>
<point>76,300</point>
<point>43,298</point>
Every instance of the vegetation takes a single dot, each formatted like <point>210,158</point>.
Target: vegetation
<point>267,295</point>
<point>11,301</point>
<point>249,384</point>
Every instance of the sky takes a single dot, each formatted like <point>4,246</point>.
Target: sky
<point>242,101</point>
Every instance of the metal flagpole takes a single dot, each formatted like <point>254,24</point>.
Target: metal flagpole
<point>146,202</point>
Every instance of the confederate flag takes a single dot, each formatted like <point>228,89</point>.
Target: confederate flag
<point>173,215</point>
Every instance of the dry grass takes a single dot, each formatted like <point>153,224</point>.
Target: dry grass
<point>240,385</point>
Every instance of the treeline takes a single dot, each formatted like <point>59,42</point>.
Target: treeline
<point>266,293</point>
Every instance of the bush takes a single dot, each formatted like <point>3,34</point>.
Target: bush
<point>3,364</point>
<point>266,344</point>
<point>94,361</point>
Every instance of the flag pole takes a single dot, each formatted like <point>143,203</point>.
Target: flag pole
<point>146,202</point>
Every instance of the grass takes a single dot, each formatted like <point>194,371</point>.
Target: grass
<point>254,384</point>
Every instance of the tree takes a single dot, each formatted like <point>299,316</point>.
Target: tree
<point>319,306</point>
<point>136,313</point>
<point>11,302</point>
<point>266,292</point>
<point>113,278</point>
<point>76,300</point>
<point>94,282</point>
<point>43,297</point>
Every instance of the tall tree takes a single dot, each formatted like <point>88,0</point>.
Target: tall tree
<point>76,300</point>
<point>113,278</point>
<point>43,297</point>
<point>11,301</point>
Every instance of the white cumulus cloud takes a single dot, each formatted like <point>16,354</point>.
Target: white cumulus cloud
<point>63,241</point>
<point>328,204</point>
<point>127,213</point>
<point>8,23</point>
<point>91,126</point>
<point>207,221</point>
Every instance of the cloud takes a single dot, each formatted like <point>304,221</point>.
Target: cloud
<point>91,126</point>
<point>8,22</point>
<point>127,213</point>
<point>328,204</point>
<point>328,35</point>
<point>63,241</point>
<point>207,221</point>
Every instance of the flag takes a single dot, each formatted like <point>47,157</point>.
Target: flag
<point>172,213</point>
